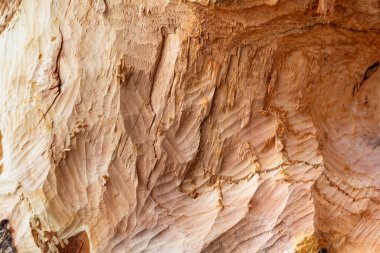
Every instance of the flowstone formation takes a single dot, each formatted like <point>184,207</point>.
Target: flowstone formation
<point>190,126</point>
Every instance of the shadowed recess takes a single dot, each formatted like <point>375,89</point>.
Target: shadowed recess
<point>6,241</point>
<point>78,244</point>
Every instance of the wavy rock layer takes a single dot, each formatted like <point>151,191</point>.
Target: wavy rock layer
<point>190,126</point>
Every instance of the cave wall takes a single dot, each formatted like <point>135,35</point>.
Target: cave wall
<point>190,126</point>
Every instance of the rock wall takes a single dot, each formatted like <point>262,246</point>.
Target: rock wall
<point>190,126</point>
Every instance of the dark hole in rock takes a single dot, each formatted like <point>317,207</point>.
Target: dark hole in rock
<point>78,244</point>
<point>368,73</point>
<point>6,240</point>
<point>370,70</point>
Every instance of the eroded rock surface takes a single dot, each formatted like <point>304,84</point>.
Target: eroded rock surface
<point>6,240</point>
<point>190,126</point>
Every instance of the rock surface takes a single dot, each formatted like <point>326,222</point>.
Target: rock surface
<point>190,126</point>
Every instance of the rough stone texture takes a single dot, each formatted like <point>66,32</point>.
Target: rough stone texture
<point>190,126</point>
<point>6,240</point>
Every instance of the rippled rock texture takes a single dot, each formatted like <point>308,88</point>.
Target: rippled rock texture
<point>190,126</point>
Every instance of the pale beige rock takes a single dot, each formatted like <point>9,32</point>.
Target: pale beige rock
<point>190,126</point>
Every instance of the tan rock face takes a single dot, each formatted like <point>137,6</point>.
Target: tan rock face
<point>190,126</point>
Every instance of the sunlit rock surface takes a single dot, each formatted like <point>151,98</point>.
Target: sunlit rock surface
<point>190,126</point>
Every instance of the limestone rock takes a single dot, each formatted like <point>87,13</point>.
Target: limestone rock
<point>190,126</point>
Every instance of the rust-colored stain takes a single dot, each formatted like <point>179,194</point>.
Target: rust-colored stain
<point>8,9</point>
<point>78,244</point>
